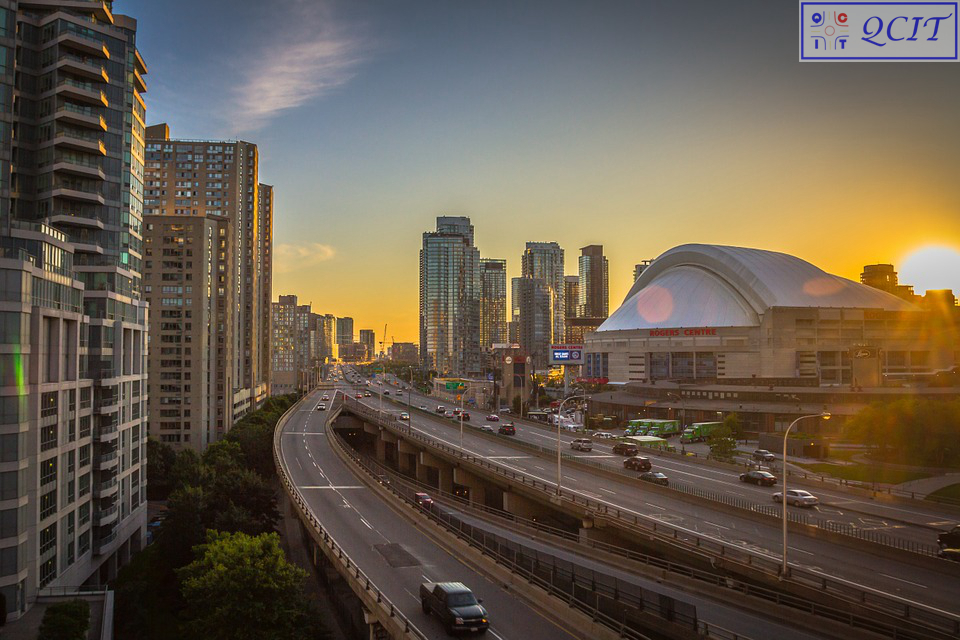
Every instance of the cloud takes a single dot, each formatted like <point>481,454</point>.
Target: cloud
<point>288,258</point>
<point>307,61</point>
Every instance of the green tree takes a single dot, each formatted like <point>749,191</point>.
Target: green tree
<point>160,460</point>
<point>255,437</point>
<point>722,444</point>
<point>241,587</point>
<point>911,430</point>
<point>185,525</point>
<point>65,621</point>
<point>240,500</point>
<point>222,456</point>
<point>732,422</point>
<point>187,470</point>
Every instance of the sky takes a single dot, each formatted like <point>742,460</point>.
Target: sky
<point>636,125</point>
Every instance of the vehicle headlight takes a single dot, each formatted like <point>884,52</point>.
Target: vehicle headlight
<point>483,619</point>
<point>459,620</point>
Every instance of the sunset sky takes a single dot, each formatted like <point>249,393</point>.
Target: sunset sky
<point>636,125</point>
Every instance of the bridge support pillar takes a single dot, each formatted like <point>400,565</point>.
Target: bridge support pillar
<point>592,530</point>
<point>407,457</point>
<point>435,472</point>
<point>471,482</point>
<point>524,507</point>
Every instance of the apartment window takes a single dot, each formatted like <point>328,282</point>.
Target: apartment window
<point>48,471</point>
<point>84,484</point>
<point>85,455</point>
<point>48,571</point>
<point>48,437</point>
<point>9,483</point>
<point>48,538</point>
<point>85,426</point>
<point>84,513</point>
<point>48,404</point>
<point>83,542</point>
<point>8,523</point>
<point>8,561</point>
<point>48,504</point>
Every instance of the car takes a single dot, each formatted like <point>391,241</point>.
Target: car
<point>504,410</point>
<point>507,429</point>
<point>448,414</point>
<point>325,397</point>
<point>366,394</point>
<point>321,407</point>
<point>637,463</point>
<point>581,444</point>
<point>423,500</point>
<point>423,407</point>
<point>763,455</point>
<point>949,554</point>
<point>798,498</point>
<point>441,409</point>
<point>359,397</point>
<point>488,429</point>
<point>656,478</point>
<point>385,392</point>
<point>763,478</point>
<point>455,605</point>
<point>626,449</point>
<point>465,416</point>
<point>603,435</point>
<point>493,417</point>
<point>404,416</point>
<point>457,411</point>
<point>950,539</point>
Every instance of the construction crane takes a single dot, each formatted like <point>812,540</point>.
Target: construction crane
<point>383,343</point>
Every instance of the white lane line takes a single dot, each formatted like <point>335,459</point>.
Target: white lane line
<point>334,487</point>
<point>613,493</point>
<point>417,598</point>
<point>570,478</point>
<point>494,634</point>
<point>536,466</point>
<point>509,458</point>
<point>809,553</point>
<point>366,523</point>
<point>916,584</point>
<point>714,524</point>
<point>299,465</point>
<point>655,506</point>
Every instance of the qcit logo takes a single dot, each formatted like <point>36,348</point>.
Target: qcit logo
<point>829,30</point>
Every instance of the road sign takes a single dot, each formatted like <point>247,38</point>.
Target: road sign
<point>455,386</point>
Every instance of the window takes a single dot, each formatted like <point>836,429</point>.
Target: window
<point>48,538</point>
<point>48,471</point>
<point>48,504</point>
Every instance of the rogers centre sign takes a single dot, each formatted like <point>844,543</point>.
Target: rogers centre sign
<point>667,333</point>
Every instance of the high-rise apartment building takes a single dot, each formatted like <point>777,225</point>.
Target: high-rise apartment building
<point>72,319</point>
<point>207,239</point>
<point>536,322</point>
<point>450,293</point>
<point>571,291</point>
<point>493,302</point>
<point>594,289</point>
<point>329,348</point>
<point>344,330</point>
<point>544,261</point>
<point>640,268</point>
<point>293,360</point>
<point>369,338</point>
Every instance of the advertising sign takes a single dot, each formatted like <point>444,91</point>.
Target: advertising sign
<point>567,354</point>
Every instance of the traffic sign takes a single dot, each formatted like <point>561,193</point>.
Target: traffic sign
<point>455,386</point>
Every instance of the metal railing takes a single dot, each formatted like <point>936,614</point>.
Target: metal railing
<point>652,528</point>
<point>347,566</point>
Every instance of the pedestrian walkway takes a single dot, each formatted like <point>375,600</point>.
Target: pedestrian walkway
<point>926,486</point>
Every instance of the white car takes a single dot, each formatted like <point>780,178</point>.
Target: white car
<point>581,444</point>
<point>321,407</point>
<point>404,416</point>
<point>604,435</point>
<point>488,429</point>
<point>798,498</point>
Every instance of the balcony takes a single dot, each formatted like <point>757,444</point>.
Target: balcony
<point>108,460</point>
<point>73,220</point>
<point>94,197</point>
<point>139,82</point>
<point>89,68</point>
<point>106,516</point>
<point>89,142</point>
<point>106,488</point>
<point>84,43</point>
<point>101,545</point>
<point>80,116</point>
<point>106,434</point>
<point>78,168</point>
<point>83,91</point>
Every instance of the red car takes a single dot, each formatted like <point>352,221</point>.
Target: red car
<point>493,418</point>
<point>423,500</point>
<point>507,429</point>
<point>359,396</point>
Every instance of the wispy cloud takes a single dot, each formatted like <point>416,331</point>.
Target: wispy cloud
<point>305,61</point>
<point>295,257</point>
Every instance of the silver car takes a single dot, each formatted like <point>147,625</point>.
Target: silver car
<point>798,498</point>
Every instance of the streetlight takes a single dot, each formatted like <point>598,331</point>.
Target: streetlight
<point>559,457</point>
<point>462,388</point>
<point>826,416</point>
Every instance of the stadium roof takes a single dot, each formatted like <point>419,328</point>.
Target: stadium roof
<point>701,285</point>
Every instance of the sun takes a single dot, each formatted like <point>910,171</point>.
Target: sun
<point>931,267</point>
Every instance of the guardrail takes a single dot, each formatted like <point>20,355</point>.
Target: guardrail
<point>647,526</point>
<point>388,613</point>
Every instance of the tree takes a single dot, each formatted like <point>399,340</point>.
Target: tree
<point>223,455</point>
<point>241,587</point>
<point>65,621</point>
<point>255,437</point>
<point>160,460</point>
<point>185,525</point>
<point>187,470</point>
<point>732,422</point>
<point>722,444</point>
<point>241,500</point>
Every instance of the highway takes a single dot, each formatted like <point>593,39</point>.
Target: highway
<point>358,518</point>
<point>912,522</point>
<point>388,548</point>
<point>896,577</point>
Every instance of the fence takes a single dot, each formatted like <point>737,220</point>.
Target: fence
<point>941,621</point>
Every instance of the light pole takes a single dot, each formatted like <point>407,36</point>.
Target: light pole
<point>462,388</point>
<point>559,457</point>
<point>826,416</point>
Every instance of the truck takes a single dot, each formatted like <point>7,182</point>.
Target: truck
<point>637,427</point>
<point>699,431</point>
<point>663,428</point>
<point>455,605</point>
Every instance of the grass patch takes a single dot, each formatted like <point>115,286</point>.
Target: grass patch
<point>950,493</point>
<point>865,473</point>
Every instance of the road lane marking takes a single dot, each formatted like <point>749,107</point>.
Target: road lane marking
<point>655,506</point>
<point>613,493</point>
<point>508,457</point>
<point>916,584</point>
<point>809,553</point>
<point>714,524</point>
<point>299,465</point>
<point>335,488</point>
<point>417,598</point>
<point>366,523</point>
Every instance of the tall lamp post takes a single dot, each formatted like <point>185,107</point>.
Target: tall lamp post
<point>826,416</point>
<point>559,457</point>
<point>462,388</point>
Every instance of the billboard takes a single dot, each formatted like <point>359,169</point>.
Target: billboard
<point>568,354</point>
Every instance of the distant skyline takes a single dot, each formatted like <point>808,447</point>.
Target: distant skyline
<point>634,125</point>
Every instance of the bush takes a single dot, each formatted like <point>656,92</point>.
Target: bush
<point>65,621</point>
